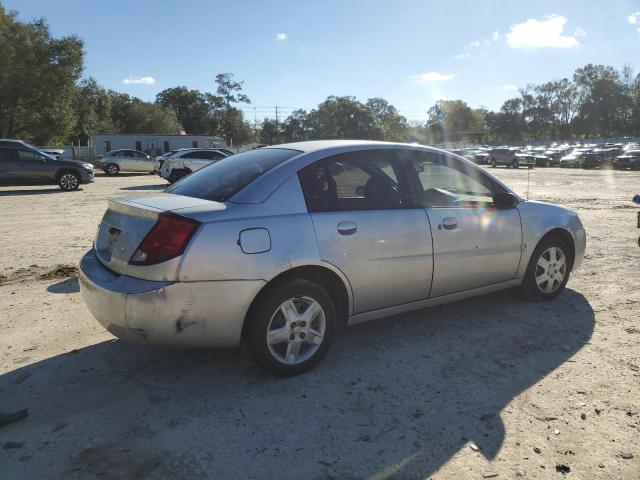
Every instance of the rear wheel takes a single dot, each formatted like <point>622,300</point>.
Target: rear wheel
<point>69,181</point>
<point>494,164</point>
<point>548,270</point>
<point>112,169</point>
<point>515,164</point>
<point>290,329</point>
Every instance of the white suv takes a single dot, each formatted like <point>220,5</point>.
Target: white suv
<point>188,160</point>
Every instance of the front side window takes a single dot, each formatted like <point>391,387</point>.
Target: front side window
<point>367,180</point>
<point>448,182</point>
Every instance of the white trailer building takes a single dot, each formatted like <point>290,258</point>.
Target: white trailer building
<point>152,144</point>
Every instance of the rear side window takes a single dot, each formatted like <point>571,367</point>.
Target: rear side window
<point>222,180</point>
<point>367,180</point>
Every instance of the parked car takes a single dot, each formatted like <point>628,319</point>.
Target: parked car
<point>160,159</point>
<point>510,157</point>
<point>126,160</point>
<point>53,152</point>
<point>630,159</point>
<point>574,159</point>
<point>542,160</point>
<point>24,164</point>
<point>189,160</point>
<point>282,245</point>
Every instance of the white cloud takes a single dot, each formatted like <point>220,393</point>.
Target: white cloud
<point>509,87</point>
<point>461,56</point>
<point>432,77</point>
<point>281,36</point>
<point>473,44</point>
<point>132,80</point>
<point>541,33</point>
<point>634,17</point>
<point>495,36</point>
<point>579,32</point>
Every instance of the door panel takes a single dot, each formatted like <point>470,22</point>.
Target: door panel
<point>482,248</point>
<point>385,254</point>
<point>474,243</point>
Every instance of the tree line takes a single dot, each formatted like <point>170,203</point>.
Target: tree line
<point>45,100</point>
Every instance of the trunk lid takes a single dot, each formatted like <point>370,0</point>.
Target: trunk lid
<point>125,224</point>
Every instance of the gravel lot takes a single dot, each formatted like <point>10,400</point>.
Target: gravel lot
<point>488,386</point>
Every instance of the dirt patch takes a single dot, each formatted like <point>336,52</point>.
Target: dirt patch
<point>60,272</point>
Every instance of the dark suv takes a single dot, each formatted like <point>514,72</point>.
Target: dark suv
<point>23,164</point>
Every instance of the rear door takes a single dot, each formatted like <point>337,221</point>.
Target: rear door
<point>9,165</point>
<point>367,226</point>
<point>474,243</point>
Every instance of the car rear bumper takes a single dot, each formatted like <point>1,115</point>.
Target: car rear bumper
<point>185,314</point>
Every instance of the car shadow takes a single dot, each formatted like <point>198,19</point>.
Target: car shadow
<point>395,398</point>
<point>69,285</point>
<point>36,191</point>
<point>122,174</point>
<point>146,187</point>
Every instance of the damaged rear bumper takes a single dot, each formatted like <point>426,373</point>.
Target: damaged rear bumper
<point>186,314</point>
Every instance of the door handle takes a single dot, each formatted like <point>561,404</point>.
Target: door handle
<point>449,223</point>
<point>347,228</point>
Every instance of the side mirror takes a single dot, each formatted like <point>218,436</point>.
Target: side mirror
<point>505,200</point>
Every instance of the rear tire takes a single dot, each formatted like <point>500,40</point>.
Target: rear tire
<point>548,270</point>
<point>515,164</point>
<point>69,181</point>
<point>494,164</point>
<point>112,169</point>
<point>289,329</point>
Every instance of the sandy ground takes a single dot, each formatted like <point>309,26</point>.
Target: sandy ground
<point>486,387</point>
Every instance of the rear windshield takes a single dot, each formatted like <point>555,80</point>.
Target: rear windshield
<point>223,179</point>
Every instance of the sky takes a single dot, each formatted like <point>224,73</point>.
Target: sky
<point>293,54</point>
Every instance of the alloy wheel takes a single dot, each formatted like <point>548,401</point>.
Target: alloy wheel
<point>296,330</point>
<point>551,270</point>
<point>69,181</point>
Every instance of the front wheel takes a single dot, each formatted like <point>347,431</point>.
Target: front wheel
<point>290,330</point>
<point>69,181</point>
<point>515,164</point>
<point>112,169</point>
<point>548,270</point>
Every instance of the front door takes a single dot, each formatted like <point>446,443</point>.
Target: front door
<point>367,226</point>
<point>475,244</point>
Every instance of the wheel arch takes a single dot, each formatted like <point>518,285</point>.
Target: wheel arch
<point>334,282</point>
<point>564,235</point>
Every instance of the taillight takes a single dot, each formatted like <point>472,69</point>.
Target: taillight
<point>166,240</point>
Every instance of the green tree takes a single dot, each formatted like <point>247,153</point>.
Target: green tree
<point>391,125</point>
<point>37,80</point>
<point>92,110</point>
<point>295,126</point>
<point>193,109</point>
<point>342,117</point>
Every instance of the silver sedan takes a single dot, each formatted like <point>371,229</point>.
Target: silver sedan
<point>280,246</point>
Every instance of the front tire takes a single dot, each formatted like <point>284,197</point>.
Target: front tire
<point>290,329</point>
<point>112,169</point>
<point>548,270</point>
<point>515,164</point>
<point>69,181</point>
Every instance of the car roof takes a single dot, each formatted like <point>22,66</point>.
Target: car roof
<point>316,145</point>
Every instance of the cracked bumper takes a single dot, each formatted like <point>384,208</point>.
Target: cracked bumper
<point>185,314</point>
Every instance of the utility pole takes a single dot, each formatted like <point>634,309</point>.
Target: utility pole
<point>277,127</point>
